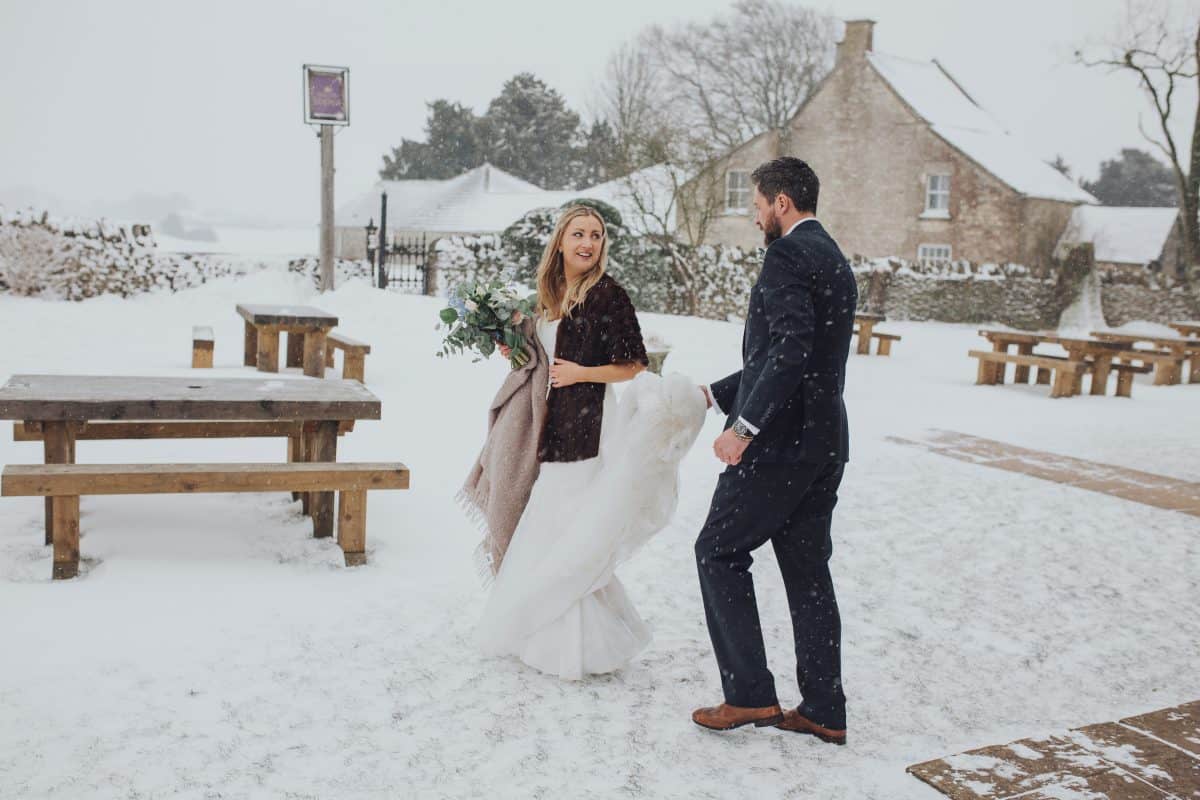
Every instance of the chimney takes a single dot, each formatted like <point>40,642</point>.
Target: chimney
<point>858,40</point>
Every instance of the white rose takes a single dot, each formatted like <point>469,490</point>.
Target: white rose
<point>471,305</point>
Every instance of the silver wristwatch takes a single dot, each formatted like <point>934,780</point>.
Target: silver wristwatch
<point>741,431</point>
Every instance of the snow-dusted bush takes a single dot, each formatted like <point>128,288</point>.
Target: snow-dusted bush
<point>76,259</point>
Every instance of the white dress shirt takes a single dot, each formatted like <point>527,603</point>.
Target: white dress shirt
<point>708,388</point>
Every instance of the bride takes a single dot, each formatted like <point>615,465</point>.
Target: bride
<point>603,473</point>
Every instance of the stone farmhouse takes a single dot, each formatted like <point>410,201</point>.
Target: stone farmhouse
<point>910,165</point>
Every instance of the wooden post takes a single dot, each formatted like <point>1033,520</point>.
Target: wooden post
<point>864,336</point>
<point>66,537</point>
<point>326,136</point>
<point>250,357</point>
<point>295,454</point>
<point>328,354</point>
<point>1194,368</point>
<point>314,354</point>
<point>885,347</point>
<point>354,366</point>
<point>321,503</point>
<point>1063,379</point>
<point>268,349</point>
<point>58,447</point>
<point>999,367</point>
<point>984,376</point>
<point>1125,383</point>
<point>1021,373</point>
<point>352,527</point>
<point>295,348</point>
<point>1100,372</point>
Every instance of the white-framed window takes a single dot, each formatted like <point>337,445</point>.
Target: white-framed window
<point>937,195</point>
<point>737,191</point>
<point>934,254</point>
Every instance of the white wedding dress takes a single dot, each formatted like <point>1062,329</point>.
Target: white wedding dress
<point>557,603</point>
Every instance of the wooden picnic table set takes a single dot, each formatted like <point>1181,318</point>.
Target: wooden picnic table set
<point>864,329</point>
<point>1098,355</point>
<point>310,412</point>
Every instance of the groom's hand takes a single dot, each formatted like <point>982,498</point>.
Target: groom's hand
<point>729,448</point>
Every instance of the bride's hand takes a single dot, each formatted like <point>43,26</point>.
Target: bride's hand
<point>565,373</point>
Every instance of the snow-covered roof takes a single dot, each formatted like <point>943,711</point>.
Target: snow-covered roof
<point>1121,234</point>
<point>962,122</point>
<point>488,200</point>
<point>644,198</point>
<point>482,200</point>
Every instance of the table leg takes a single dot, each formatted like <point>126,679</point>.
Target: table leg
<point>58,447</point>
<point>1194,368</point>
<point>352,527</point>
<point>66,537</point>
<point>250,357</point>
<point>268,349</point>
<point>1177,366</point>
<point>314,354</point>
<point>999,367</point>
<point>321,503</point>
<point>864,337</point>
<point>295,454</point>
<point>295,348</point>
<point>1021,373</point>
<point>1100,371</point>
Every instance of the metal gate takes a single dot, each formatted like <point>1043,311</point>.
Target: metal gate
<point>402,266</point>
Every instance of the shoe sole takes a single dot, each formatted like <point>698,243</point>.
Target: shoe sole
<point>765,722</point>
<point>838,740</point>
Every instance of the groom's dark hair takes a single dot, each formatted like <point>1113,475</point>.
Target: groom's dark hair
<point>789,176</point>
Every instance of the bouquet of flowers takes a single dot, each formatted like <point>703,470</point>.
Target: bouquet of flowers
<point>483,315</point>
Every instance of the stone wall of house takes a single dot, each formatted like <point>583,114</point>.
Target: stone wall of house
<point>873,155</point>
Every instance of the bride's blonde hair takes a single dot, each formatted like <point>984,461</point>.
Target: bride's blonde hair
<point>557,297</point>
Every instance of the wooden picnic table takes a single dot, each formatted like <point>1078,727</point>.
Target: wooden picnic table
<point>1181,349</point>
<point>1098,354</point>
<point>305,326</point>
<point>1188,328</point>
<point>60,407</point>
<point>866,324</point>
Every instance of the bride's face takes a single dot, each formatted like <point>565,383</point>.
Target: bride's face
<point>581,245</point>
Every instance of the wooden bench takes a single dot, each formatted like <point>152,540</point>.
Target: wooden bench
<point>64,484</point>
<point>354,355</point>
<point>884,345</point>
<point>202,347</point>
<point>1064,376</point>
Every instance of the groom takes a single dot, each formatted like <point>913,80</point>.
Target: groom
<point>786,444</point>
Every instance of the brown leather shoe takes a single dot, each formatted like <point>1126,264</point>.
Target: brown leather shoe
<point>725,717</point>
<point>797,723</point>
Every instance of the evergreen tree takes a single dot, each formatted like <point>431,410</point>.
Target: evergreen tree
<point>531,133</point>
<point>1135,178</point>
<point>452,146</point>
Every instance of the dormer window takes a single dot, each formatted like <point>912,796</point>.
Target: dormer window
<point>937,196</point>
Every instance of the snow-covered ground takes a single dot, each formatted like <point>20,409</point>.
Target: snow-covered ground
<point>212,648</point>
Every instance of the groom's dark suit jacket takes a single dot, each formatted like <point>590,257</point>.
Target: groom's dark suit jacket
<point>794,351</point>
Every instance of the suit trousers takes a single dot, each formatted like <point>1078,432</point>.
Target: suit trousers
<point>791,506</point>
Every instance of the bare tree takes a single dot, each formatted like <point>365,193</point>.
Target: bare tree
<point>1163,52</point>
<point>744,72</point>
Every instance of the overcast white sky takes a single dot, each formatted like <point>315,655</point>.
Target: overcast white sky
<point>105,100</point>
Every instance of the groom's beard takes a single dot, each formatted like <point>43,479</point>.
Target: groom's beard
<point>772,230</point>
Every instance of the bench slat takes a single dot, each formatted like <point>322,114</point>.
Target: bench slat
<point>1050,362</point>
<point>31,480</point>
